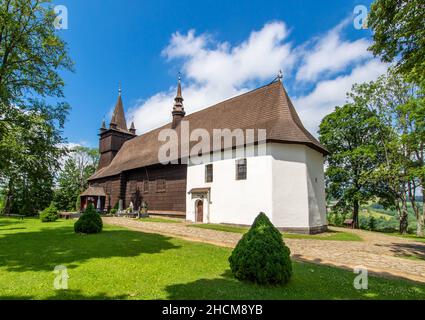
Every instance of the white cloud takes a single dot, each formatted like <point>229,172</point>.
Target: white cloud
<point>330,93</point>
<point>214,71</point>
<point>331,54</point>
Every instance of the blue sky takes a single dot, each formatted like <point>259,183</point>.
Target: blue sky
<point>222,48</point>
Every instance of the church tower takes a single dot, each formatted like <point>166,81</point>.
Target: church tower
<point>112,138</point>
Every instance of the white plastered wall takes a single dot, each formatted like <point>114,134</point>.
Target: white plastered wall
<point>281,183</point>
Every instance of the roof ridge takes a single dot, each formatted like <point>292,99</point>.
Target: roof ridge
<point>238,96</point>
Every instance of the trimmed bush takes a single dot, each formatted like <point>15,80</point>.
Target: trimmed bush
<point>261,256</point>
<point>50,214</point>
<point>90,222</point>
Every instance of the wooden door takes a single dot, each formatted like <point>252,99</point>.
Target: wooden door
<point>200,211</point>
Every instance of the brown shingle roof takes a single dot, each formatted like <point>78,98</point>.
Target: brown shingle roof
<point>268,107</point>
<point>94,191</point>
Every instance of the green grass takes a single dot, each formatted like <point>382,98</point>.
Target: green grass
<point>407,236</point>
<point>330,235</point>
<point>156,219</point>
<point>220,227</point>
<point>123,264</point>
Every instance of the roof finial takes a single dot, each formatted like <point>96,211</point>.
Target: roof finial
<point>179,90</point>
<point>103,127</point>
<point>280,75</point>
<point>119,88</point>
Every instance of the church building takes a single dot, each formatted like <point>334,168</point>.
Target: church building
<point>280,173</point>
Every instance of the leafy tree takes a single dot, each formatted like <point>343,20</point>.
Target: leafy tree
<point>31,57</point>
<point>80,164</point>
<point>32,158</point>
<point>399,106</point>
<point>399,35</point>
<point>350,134</point>
<point>31,53</point>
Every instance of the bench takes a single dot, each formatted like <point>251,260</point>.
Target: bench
<point>349,223</point>
<point>20,216</point>
<point>69,215</point>
<point>130,214</point>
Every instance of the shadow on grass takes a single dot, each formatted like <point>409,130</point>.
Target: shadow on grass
<point>308,282</point>
<point>43,249</point>
<point>5,221</point>
<point>406,250</point>
<point>68,295</point>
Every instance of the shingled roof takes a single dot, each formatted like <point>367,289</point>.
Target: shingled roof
<point>268,107</point>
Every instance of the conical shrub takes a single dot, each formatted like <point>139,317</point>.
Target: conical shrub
<point>89,222</point>
<point>261,256</point>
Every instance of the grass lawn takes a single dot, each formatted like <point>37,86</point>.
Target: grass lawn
<point>407,236</point>
<point>123,264</point>
<point>330,235</point>
<point>156,219</point>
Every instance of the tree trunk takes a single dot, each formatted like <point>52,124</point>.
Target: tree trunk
<point>404,223</point>
<point>9,196</point>
<point>421,218</point>
<point>420,226</point>
<point>356,214</point>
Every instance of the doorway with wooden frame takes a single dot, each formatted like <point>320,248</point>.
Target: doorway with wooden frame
<point>199,211</point>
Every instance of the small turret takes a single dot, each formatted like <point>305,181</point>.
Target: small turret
<point>178,109</point>
<point>132,128</point>
<point>103,127</point>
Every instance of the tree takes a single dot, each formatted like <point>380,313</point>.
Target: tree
<point>350,134</point>
<point>31,53</point>
<point>31,57</point>
<point>31,160</point>
<point>399,106</point>
<point>399,34</point>
<point>80,164</point>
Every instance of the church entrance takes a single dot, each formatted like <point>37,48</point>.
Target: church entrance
<point>199,211</point>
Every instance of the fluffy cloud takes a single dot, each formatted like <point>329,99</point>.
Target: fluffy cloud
<point>224,66</point>
<point>214,71</point>
<point>330,93</point>
<point>330,54</point>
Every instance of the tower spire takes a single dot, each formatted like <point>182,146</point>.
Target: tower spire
<point>118,117</point>
<point>178,109</point>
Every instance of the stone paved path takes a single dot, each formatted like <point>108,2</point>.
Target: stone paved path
<point>379,253</point>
